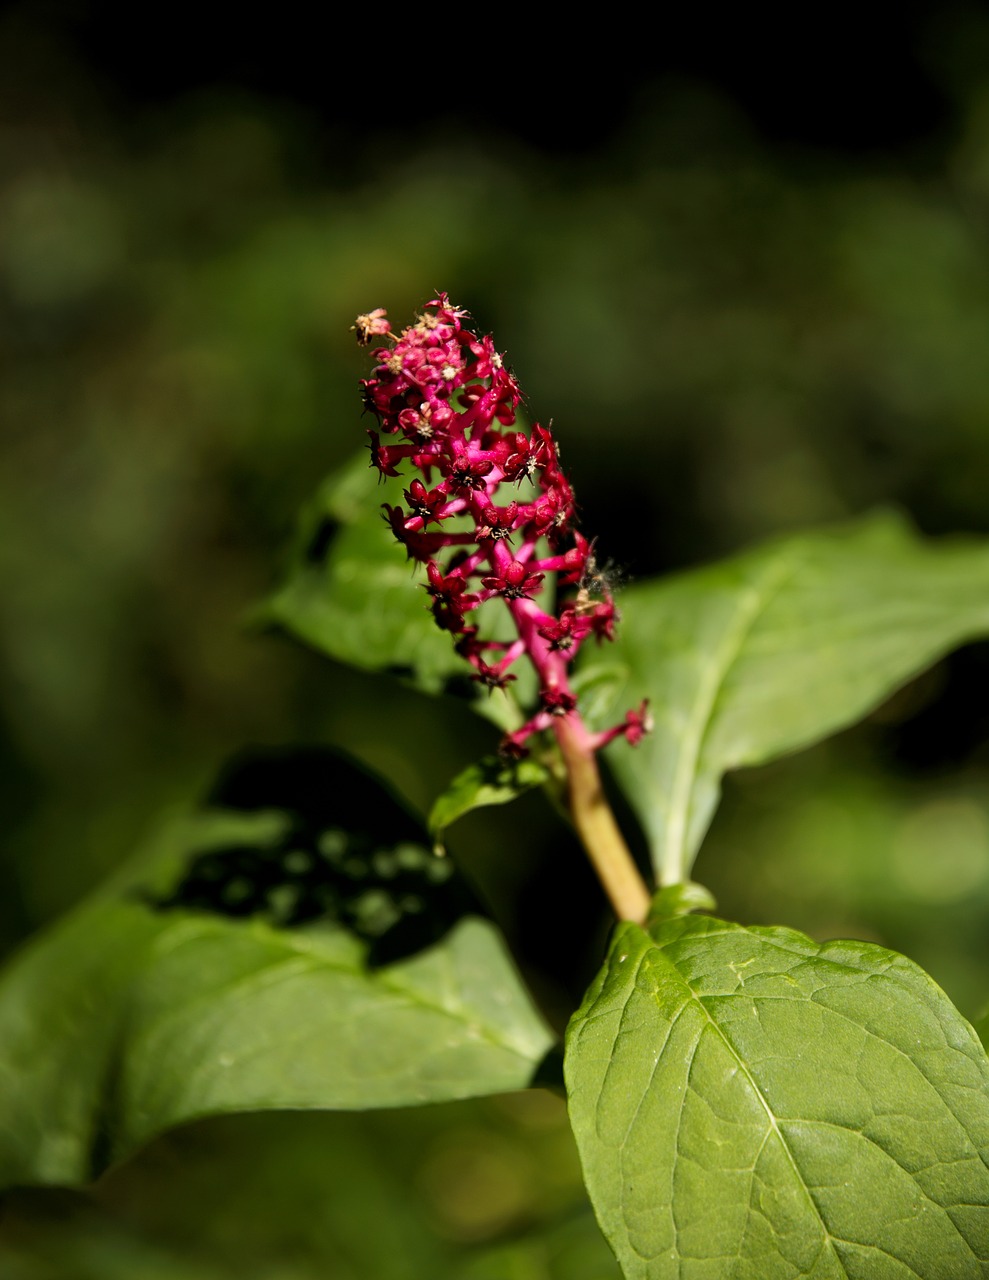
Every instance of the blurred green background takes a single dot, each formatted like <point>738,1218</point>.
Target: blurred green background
<point>752,295</point>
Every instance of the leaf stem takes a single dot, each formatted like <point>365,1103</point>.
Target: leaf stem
<point>596,825</point>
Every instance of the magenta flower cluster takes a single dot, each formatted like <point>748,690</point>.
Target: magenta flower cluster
<point>446,403</point>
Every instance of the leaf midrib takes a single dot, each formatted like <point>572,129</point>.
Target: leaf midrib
<point>696,1000</point>
<point>751,603</point>
<point>873,1036</point>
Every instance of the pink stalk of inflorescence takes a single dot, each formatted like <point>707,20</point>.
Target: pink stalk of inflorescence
<point>447,404</point>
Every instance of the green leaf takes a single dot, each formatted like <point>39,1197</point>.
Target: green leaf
<point>750,1104</point>
<point>351,593</point>
<point>771,651</point>
<point>311,954</point>
<point>491,781</point>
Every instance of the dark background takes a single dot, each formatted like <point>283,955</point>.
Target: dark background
<point>743,266</point>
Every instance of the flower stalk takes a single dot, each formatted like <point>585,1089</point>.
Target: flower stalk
<point>446,404</point>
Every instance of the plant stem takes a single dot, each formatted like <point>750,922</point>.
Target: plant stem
<point>596,825</point>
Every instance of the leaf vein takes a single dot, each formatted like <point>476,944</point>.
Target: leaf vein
<point>771,1118</point>
<point>751,602</point>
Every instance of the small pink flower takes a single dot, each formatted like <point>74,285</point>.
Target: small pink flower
<point>558,702</point>
<point>566,632</point>
<point>424,503</point>
<point>384,456</point>
<point>492,677</point>
<point>467,471</point>
<point>497,522</point>
<point>449,590</point>
<point>516,583</point>
<point>603,616</point>
<point>373,325</point>
<point>637,724</point>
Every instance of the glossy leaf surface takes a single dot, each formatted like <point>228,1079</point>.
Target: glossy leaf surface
<point>310,954</point>
<point>750,1104</point>
<point>771,651</point>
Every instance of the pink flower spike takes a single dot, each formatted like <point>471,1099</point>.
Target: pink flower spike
<point>445,392</point>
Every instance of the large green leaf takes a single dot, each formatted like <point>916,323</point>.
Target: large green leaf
<point>351,593</point>
<point>771,651</point>
<point>311,954</point>
<point>750,1104</point>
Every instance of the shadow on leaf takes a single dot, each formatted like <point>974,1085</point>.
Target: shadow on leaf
<point>321,539</point>
<point>349,853</point>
